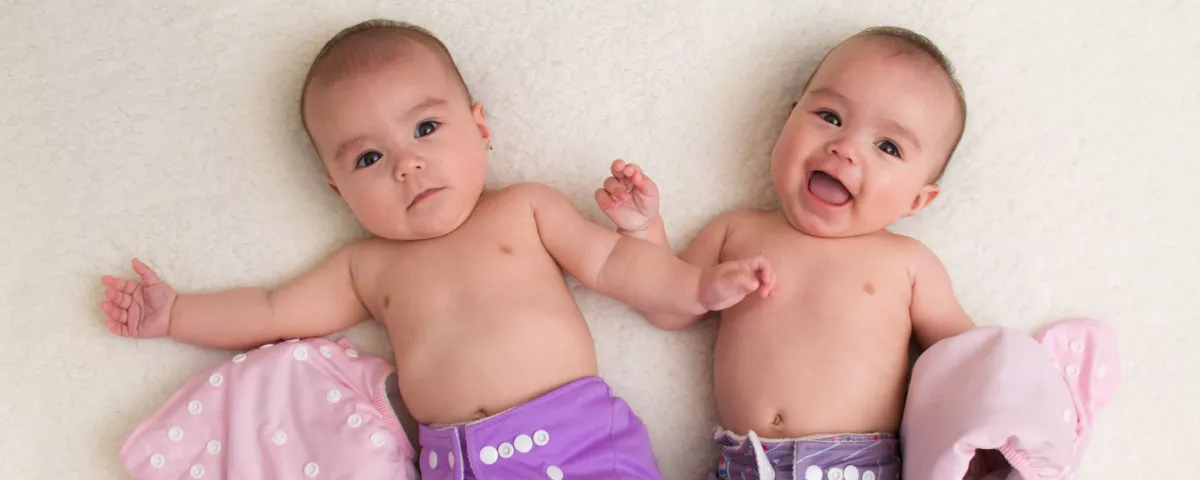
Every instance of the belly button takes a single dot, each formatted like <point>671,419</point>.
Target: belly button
<point>479,415</point>
<point>778,422</point>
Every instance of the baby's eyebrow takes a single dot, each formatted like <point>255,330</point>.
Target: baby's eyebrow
<point>425,104</point>
<point>829,92</point>
<point>345,146</point>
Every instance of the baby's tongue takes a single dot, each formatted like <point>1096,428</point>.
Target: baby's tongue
<point>828,188</point>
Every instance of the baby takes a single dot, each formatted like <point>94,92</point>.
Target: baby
<point>490,346</point>
<point>820,370</point>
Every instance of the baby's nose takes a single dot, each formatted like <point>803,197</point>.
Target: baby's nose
<point>407,166</point>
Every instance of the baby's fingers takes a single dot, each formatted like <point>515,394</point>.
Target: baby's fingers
<point>644,184</point>
<point>120,299</point>
<point>119,284</point>
<point>604,200</point>
<point>614,186</point>
<point>114,313</point>
<point>618,168</point>
<point>120,329</point>
<point>766,278</point>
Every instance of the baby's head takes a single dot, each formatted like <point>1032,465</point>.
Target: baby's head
<point>871,135</point>
<point>393,122</point>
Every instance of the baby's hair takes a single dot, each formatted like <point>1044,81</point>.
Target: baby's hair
<point>912,42</point>
<point>385,40</point>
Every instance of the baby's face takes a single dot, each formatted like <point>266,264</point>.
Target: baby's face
<point>862,146</point>
<point>403,145</point>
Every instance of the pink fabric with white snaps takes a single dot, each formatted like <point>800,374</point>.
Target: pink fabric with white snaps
<point>1030,401</point>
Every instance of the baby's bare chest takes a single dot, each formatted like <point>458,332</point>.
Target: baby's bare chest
<point>479,266</point>
<point>823,280</point>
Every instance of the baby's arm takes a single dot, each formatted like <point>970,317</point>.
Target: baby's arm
<point>704,252</point>
<point>645,276</point>
<point>630,199</point>
<point>935,311</point>
<point>319,302</point>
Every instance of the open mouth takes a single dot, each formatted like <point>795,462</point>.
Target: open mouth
<point>828,189</point>
<point>422,196</point>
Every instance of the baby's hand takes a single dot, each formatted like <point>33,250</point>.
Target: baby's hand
<point>725,285</point>
<point>138,309</point>
<point>629,198</point>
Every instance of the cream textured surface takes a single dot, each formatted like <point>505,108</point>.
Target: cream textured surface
<point>169,131</point>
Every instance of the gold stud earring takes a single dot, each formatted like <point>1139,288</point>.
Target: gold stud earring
<point>490,147</point>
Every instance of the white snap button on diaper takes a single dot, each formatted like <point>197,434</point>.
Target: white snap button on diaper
<point>541,438</point>
<point>175,434</point>
<point>506,450</point>
<point>333,395</point>
<point>377,440</point>
<point>813,472</point>
<point>554,473</point>
<point>214,447</point>
<point>279,438</point>
<point>524,443</point>
<point>851,472</point>
<point>834,473</point>
<point>239,358</point>
<point>216,380</point>
<point>1072,370</point>
<point>1077,346</point>
<point>354,421</point>
<point>300,353</point>
<point>157,460</point>
<point>326,351</point>
<point>488,455</point>
<point>868,475</point>
<point>450,459</point>
<point>432,459</point>
<point>352,353</point>
<point>197,471</point>
<point>311,469</point>
<point>194,407</point>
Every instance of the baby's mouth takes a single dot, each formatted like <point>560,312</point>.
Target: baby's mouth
<point>828,189</point>
<point>422,196</point>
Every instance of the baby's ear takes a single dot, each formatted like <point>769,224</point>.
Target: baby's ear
<point>924,197</point>
<point>481,122</point>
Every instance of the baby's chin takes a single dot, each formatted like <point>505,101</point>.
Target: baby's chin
<point>422,230</point>
<point>813,225</point>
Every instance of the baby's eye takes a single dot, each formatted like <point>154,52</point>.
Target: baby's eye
<point>367,159</point>
<point>425,128</point>
<point>889,147</point>
<point>830,118</point>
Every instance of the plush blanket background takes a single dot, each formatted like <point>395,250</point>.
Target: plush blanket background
<point>169,131</point>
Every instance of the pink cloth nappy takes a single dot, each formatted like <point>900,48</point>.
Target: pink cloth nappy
<point>298,409</point>
<point>996,403</point>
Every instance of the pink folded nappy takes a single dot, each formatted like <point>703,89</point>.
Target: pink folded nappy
<point>297,409</point>
<point>995,403</point>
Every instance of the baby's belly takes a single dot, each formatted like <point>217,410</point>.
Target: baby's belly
<point>467,369</point>
<point>786,378</point>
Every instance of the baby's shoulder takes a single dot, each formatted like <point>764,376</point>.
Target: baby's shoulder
<point>523,195</point>
<point>913,254</point>
<point>902,246</point>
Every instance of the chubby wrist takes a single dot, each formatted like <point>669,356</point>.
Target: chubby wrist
<point>172,315</point>
<point>656,221</point>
